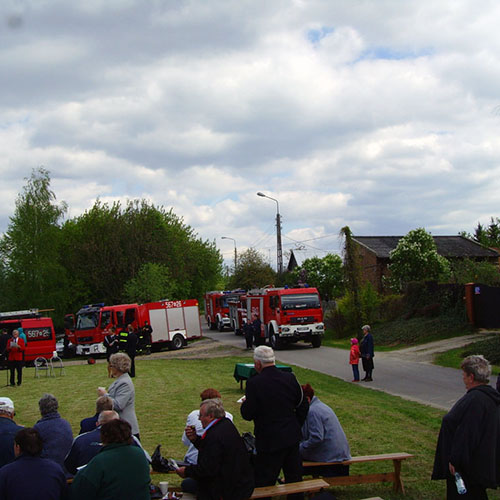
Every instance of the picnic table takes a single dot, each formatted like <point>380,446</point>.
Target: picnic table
<point>243,371</point>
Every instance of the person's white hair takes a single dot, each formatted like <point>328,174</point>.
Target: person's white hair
<point>120,361</point>
<point>478,366</point>
<point>366,327</point>
<point>264,354</point>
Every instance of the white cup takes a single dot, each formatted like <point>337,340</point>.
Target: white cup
<point>164,487</point>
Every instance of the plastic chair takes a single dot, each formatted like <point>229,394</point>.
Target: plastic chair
<point>57,361</point>
<point>41,364</point>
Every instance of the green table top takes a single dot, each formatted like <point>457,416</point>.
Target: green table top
<point>243,371</point>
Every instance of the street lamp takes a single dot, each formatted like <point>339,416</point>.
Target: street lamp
<point>279,250</point>
<point>235,252</point>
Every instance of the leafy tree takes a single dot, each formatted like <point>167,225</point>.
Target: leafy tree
<point>252,271</point>
<point>32,273</point>
<point>471,271</point>
<point>108,245</point>
<point>152,283</point>
<point>325,274</point>
<point>416,259</point>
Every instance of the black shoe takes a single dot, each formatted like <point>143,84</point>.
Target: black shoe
<point>18,384</point>
<point>13,385</point>
<point>369,379</point>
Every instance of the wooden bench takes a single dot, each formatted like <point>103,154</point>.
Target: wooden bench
<point>390,477</point>
<point>308,486</point>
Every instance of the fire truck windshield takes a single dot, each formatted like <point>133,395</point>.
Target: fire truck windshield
<point>87,320</point>
<point>300,301</point>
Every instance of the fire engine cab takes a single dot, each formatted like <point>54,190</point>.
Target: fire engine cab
<point>173,322</point>
<point>39,331</point>
<point>288,315</point>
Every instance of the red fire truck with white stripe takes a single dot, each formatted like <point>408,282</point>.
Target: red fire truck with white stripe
<point>173,323</point>
<point>287,315</point>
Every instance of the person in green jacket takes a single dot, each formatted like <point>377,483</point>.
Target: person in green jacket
<point>119,471</point>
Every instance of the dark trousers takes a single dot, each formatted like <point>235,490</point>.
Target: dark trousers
<point>268,466</point>
<point>249,339</point>
<point>132,365</point>
<point>13,367</point>
<point>355,372</point>
<point>474,492</point>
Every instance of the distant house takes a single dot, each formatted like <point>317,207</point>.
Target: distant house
<point>374,253</point>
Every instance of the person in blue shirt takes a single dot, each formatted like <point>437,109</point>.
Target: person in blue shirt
<point>31,477</point>
<point>324,439</point>
<point>8,429</point>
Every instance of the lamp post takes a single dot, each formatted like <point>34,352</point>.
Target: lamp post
<point>279,250</point>
<point>235,252</point>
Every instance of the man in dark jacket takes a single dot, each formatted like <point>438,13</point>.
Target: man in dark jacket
<point>102,403</point>
<point>131,348</point>
<point>223,470</point>
<point>8,429</point>
<point>469,439</point>
<point>275,402</point>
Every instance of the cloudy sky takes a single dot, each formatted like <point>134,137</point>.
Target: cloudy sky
<point>382,115</point>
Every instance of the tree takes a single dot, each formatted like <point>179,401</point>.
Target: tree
<point>152,283</point>
<point>352,273</point>
<point>415,258</point>
<point>488,236</point>
<point>471,271</point>
<point>32,273</point>
<point>325,274</point>
<point>252,271</point>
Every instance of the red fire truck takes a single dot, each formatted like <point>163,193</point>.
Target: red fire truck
<point>39,330</point>
<point>217,308</point>
<point>288,315</point>
<point>237,312</point>
<point>173,323</point>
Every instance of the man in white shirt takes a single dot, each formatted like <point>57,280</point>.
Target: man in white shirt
<point>193,420</point>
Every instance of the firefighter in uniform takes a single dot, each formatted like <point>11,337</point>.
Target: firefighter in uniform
<point>145,337</point>
<point>128,343</point>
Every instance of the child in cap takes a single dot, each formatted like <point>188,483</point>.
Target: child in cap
<point>354,356</point>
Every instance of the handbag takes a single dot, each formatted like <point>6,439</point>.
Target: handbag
<point>159,463</point>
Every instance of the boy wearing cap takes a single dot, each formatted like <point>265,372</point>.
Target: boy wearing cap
<point>8,429</point>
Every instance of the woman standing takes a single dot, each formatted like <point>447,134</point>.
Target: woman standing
<point>122,390</point>
<point>15,349</point>
<point>367,353</point>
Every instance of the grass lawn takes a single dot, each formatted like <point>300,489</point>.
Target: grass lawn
<point>168,389</point>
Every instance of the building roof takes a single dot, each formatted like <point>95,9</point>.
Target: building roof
<point>447,246</point>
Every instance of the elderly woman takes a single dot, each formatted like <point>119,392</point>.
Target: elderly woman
<point>117,471</point>
<point>122,391</point>
<point>367,352</point>
<point>55,432</point>
<point>469,439</point>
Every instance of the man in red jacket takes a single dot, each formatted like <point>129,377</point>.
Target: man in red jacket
<point>15,350</point>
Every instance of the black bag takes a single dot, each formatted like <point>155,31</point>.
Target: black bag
<point>249,440</point>
<point>158,463</point>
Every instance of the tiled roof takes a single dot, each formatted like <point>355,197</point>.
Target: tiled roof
<point>447,246</point>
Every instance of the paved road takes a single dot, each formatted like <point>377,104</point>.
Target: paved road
<point>395,373</point>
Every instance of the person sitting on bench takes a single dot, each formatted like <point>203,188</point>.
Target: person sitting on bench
<point>324,439</point>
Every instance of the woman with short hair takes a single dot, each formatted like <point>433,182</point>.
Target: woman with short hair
<point>122,390</point>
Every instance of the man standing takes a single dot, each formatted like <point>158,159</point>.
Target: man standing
<point>15,349</point>
<point>30,476</point>
<point>4,338</point>
<point>256,328</point>
<point>367,353</point>
<point>8,429</point>
<point>275,402</point>
<point>131,348</point>
<point>223,470</point>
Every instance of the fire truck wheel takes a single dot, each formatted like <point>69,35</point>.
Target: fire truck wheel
<point>211,325</point>
<point>220,326</point>
<point>316,341</point>
<point>275,342</point>
<point>176,343</point>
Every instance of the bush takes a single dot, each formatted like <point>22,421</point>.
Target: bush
<point>489,348</point>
